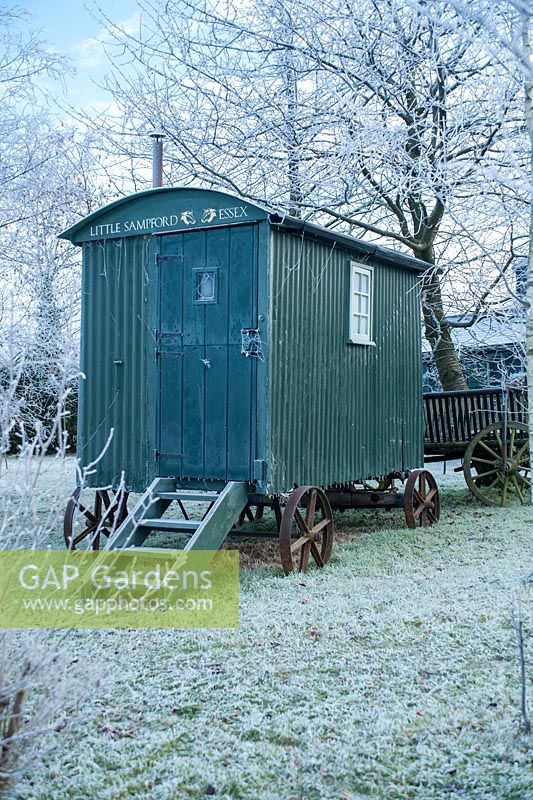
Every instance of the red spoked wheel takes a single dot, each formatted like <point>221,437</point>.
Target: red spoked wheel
<point>85,522</point>
<point>421,499</point>
<point>306,530</point>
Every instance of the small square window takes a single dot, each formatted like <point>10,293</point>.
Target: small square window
<point>205,286</point>
<point>360,304</point>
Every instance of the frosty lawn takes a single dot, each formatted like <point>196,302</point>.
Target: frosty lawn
<point>393,673</point>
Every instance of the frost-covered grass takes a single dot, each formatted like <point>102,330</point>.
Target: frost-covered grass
<point>392,673</point>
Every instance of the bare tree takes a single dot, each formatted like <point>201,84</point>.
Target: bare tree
<point>527,16</point>
<point>522,634</point>
<point>389,118</point>
<point>510,46</point>
<point>43,183</point>
<point>25,64</point>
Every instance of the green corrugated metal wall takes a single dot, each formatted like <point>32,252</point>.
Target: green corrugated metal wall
<point>339,411</point>
<point>113,396</point>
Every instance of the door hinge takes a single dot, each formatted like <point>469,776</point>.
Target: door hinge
<point>159,353</point>
<point>158,335</point>
<point>159,259</point>
<point>158,454</point>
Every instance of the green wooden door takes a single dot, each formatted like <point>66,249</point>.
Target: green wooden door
<point>207,386</point>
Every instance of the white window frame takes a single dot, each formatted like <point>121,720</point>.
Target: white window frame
<point>354,337</point>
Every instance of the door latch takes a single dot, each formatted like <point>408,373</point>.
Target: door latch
<point>251,344</point>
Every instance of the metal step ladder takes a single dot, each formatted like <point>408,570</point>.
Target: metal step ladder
<point>207,533</point>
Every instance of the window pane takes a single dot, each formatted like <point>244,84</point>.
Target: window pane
<point>205,287</point>
<point>361,289</point>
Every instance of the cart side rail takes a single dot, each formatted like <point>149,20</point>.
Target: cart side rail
<point>452,419</point>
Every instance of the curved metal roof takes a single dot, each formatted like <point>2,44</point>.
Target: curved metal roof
<point>176,208</point>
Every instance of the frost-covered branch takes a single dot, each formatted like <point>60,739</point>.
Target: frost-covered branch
<point>392,120</point>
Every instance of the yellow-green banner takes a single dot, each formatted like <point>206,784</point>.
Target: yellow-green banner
<point>119,589</point>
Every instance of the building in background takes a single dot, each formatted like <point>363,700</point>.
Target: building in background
<point>492,351</point>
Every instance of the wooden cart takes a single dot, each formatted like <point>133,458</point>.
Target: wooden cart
<point>488,430</point>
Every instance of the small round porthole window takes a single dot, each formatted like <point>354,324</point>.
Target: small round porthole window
<point>206,286</point>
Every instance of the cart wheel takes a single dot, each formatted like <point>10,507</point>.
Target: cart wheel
<point>83,524</point>
<point>496,464</point>
<point>306,529</point>
<point>421,500</point>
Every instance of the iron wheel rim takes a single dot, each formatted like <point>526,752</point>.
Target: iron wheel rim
<point>421,500</point>
<point>108,512</point>
<point>496,464</point>
<point>306,530</point>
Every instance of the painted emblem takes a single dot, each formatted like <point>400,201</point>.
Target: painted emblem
<point>209,215</point>
<point>188,218</point>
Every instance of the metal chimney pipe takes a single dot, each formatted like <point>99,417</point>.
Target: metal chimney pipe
<point>157,158</point>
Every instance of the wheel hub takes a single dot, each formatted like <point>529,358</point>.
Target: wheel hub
<point>509,467</point>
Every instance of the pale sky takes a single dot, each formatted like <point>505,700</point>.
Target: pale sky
<point>69,27</point>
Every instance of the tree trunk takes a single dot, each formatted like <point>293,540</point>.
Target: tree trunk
<point>528,86</point>
<point>529,333</point>
<point>438,333</point>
